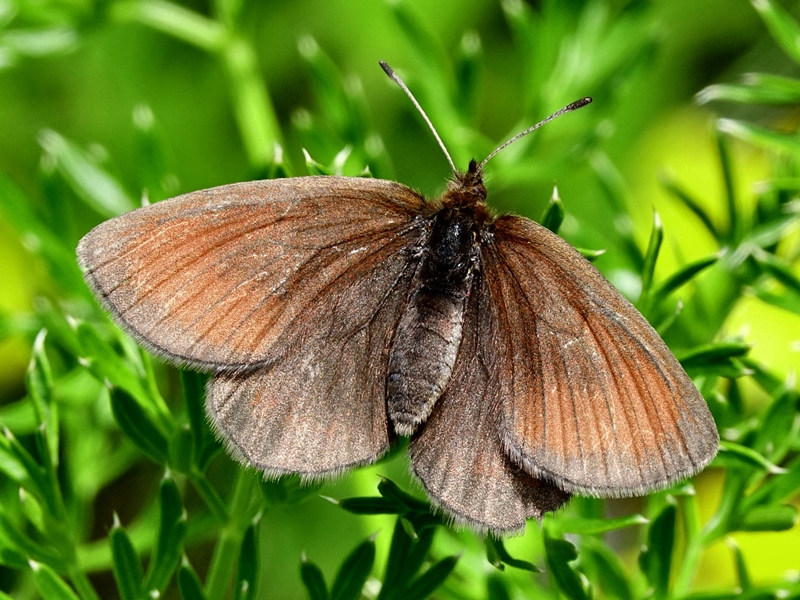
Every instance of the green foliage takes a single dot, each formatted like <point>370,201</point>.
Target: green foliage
<point>98,415</point>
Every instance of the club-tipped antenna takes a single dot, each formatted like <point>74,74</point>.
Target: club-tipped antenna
<point>568,108</point>
<point>394,77</point>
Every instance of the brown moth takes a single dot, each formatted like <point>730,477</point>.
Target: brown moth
<point>336,313</point>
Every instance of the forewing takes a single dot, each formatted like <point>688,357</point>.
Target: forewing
<point>458,454</point>
<point>220,278</point>
<point>592,398</point>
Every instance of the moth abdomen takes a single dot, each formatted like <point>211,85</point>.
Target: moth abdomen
<point>423,354</point>
<point>428,335</point>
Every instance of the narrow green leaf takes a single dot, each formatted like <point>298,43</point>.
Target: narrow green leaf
<point>787,301</point>
<point>761,136</point>
<point>354,572</point>
<point>777,488</point>
<point>656,559</point>
<point>390,490</point>
<point>408,527</point>
<point>396,573</point>
<point>371,505</point>
<point>23,543</point>
<point>38,42</point>
<point>496,551</point>
<point>39,383</point>
<point>407,554</point>
<point>723,366</point>
<point>418,552</point>
<point>558,554</point>
<point>693,205</point>
<point>34,512</point>
<point>175,20</point>
<point>315,168</point>
<point>95,186</point>
<point>493,554</point>
<point>136,423</point>
<point>778,427</point>
<point>279,168</point>
<point>11,557</point>
<point>126,564</point>
<point>782,26</point>
<point>20,466</point>
<point>171,531</point>
<point>778,184</point>
<point>608,570</point>
<point>106,364</point>
<point>313,579</point>
<point>205,443</point>
<point>650,258</point>
<point>741,567</point>
<point>288,490</point>
<point>594,526</point>
<point>726,165</point>
<point>553,214</point>
<point>663,321</point>
<point>49,584</point>
<point>722,359</point>
<point>730,368</point>
<point>210,496</point>
<point>181,449</point>
<point>747,456</point>
<point>14,468</point>
<point>766,234</point>
<point>247,574</point>
<point>767,380</point>
<point>755,88</point>
<point>776,517</point>
<point>734,396</point>
<point>681,277</point>
<point>189,584</point>
<point>427,583</point>
<point>59,327</point>
<point>778,268</point>
<point>710,354</point>
<point>591,255</point>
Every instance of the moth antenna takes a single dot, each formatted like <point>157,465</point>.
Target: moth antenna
<point>568,108</point>
<point>394,77</point>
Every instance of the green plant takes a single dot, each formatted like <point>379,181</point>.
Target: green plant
<point>99,414</point>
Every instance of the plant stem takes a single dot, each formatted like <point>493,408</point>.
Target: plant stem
<point>82,583</point>
<point>685,577</point>
<point>694,548</point>
<point>225,554</point>
<point>253,109</point>
<point>210,496</point>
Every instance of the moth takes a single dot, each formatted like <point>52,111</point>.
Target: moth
<point>338,313</point>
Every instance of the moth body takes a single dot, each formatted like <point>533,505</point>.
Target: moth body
<point>428,336</point>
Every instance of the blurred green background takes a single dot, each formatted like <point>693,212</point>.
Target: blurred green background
<point>105,103</point>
